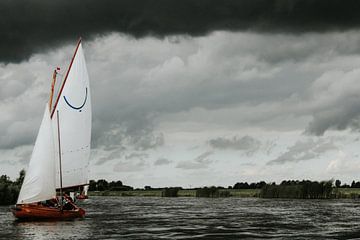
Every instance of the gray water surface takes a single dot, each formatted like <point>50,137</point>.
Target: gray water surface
<point>196,218</point>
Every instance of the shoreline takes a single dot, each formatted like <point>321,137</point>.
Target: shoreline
<point>180,193</point>
<point>337,193</point>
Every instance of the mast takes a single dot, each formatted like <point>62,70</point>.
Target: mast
<point>60,170</point>
<point>52,89</point>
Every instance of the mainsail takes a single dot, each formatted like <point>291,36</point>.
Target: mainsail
<point>39,182</point>
<point>73,106</point>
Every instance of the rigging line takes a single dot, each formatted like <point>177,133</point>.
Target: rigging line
<point>60,170</point>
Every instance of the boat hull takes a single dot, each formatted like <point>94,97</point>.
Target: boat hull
<point>82,197</point>
<point>39,212</point>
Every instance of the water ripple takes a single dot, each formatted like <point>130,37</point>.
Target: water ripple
<point>197,218</point>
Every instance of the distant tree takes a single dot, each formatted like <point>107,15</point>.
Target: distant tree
<point>260,185</point>
<point>115,185</point>
<point>21,177</point>
<point>127,188</point>
<point>252,185</point>
<point>296,189</point>
<point>102,185</point>
<point>92,185</point>
<point>241,185</point>
<point>353,184</point>
<point>337,183</point>
<point>4,179</point>
<point>9,190</point>
<point>170,192</point>
<point>147,187</point>
<point>210,192</point>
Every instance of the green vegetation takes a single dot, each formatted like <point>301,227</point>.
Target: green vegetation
<point>180,193</point>
<point>298,189</point>
<point>130,193</point>
<point>170,192</point>
<point>346,192</point>
<point>9,190</point>
<point>244,192</point>
<point>211,192</point>
<point>103,185</point>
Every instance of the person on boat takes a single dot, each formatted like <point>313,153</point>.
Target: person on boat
<point>68,203</point>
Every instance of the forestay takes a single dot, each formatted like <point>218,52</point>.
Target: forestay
<point>74,106</point>
<point>39,181</point>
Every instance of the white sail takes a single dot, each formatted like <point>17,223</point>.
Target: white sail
<point>86,189</point>
<point>74,108</point>
<point>39,181</point>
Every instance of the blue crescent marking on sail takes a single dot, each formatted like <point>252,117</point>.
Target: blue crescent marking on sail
<point>82,105</point>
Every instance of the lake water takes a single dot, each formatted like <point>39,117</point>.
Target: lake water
<point>196,218</point>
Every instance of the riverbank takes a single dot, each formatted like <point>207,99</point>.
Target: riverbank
<point>240,193</point>
<point>180,193</point>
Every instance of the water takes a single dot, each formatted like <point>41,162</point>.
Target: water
<point>197,218</point>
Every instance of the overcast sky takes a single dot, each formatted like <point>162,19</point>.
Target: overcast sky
<point>192,93</point>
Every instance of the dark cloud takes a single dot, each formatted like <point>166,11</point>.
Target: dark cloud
<point>304,150</point>
<point>336,102</point>
<point>130,165</point>
<point>199,162</point>
<point>33,26</point>
<point>18,156</point>
<point>162,161</point>
<point>137,155</point>
<point>115,136</point>
<point>246,143</point>
<point>124,162</point>
<point>115,154</point>
<point>118,153</point>
<point>23,156</point>
<point>339,119</point>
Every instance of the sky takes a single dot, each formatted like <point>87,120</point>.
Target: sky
<point>195,92</point>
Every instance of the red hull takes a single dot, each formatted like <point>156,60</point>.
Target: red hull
<point>81,197</point>
<point>35,211</point>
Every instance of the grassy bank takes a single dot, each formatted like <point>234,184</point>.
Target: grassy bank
<point>241,193</point>
<point>346,192</point>
<point>181,193</point>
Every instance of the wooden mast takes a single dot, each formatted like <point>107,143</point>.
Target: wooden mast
<point>60,169</point>
<point>52,90</point>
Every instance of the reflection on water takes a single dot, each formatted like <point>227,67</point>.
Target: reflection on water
<point>201,218</point>
<point>51,230</point>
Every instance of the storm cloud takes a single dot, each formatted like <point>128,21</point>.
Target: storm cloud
<point>163,92</point>
<point>34,26</point>
<point>304,150</point>
<point>201,161</point>
<point>162,161</point>
<point>245,143</point>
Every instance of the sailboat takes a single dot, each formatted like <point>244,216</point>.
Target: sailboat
<point>83,193</point>
<point>60,158</point>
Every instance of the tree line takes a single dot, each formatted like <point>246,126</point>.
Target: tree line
<point>245,185</point>
<point>103,185</point>
<point>9,190</point>
<point>352,185</point>
<point>305,189</point>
